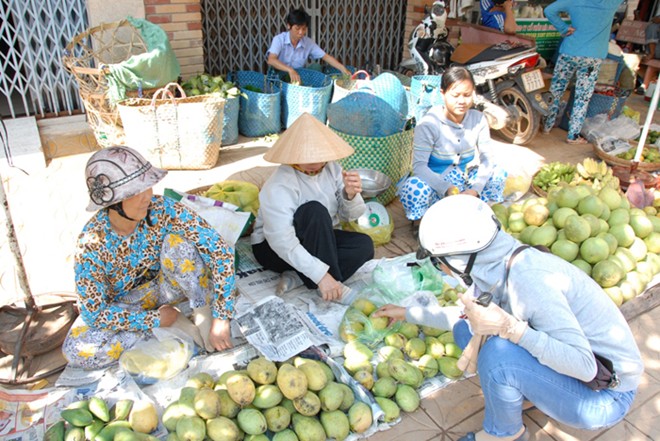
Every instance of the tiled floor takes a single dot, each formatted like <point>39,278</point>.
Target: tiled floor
<point>48,210</point>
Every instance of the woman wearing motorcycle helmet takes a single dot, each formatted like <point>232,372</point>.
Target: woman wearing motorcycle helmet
<point>291,49</point>
<point>138,256</point>
<point>545,322</point>
<point>451,145</point>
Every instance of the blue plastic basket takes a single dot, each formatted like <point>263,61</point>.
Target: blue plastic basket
<point>311,97</point>
<point>612,105</point>
<point>364,114</point>
<point>424,94</point>
<point>375,108</point>
<point>260,112</point>
<point>230,122</point>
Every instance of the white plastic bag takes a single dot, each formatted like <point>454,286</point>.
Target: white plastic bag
<point>600,127</point>
<point>159,358</point>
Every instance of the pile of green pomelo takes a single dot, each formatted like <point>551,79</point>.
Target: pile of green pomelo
<point>596,229</point>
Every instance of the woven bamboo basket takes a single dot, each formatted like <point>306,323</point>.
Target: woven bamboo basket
<point>85,57</point>
<point>613,160</point>
<point>199,191</point>
<point>536,189</point>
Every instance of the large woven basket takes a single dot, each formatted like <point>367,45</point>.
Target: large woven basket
<point>391,155</point>
<point>607,100</point>
<point>343,86</point>
<point>175,133</point>
<point>424,94</point>
<point>230,121</point>
<point>259,113</point>
<point>107,43</point>
<point>613,160</point>
<point>312,97</point>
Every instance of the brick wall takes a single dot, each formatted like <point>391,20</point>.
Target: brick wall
<point>182,20</point>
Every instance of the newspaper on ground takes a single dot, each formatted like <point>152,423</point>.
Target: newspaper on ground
<point>280,330</point>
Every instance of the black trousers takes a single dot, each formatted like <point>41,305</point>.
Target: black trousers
<point>343,251</point>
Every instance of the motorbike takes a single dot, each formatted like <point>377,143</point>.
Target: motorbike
<point>507,77</point>
<point>428,43</point>
<point>508,91</point>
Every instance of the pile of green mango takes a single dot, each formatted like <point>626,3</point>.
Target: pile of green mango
<point>93,420</point>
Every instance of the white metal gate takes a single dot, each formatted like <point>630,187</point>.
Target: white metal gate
<point>33,35</point>
<point>237,34</point>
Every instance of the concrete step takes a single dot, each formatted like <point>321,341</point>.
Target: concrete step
<point>64,136</point>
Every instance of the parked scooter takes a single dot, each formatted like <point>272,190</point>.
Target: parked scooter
<point>507,77</point>
<point>428,43</point>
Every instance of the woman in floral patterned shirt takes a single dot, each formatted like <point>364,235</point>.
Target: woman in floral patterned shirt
<point>138,257</point>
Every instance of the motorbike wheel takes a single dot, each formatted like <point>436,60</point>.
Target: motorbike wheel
<point>407,72</point>
<point>525,121</point>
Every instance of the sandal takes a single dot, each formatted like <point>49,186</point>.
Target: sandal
<point>472,437</point>
<point>578,140</point>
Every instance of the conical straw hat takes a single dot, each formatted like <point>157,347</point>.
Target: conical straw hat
<point>308,141</point>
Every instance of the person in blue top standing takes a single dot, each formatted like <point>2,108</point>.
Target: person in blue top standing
<point>291,49</point>
<point>581,54</point>
<point>498,14</point>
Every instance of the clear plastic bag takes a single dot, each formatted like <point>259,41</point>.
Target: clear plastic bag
<point>380,235</point>
<point>158,358</point>
<point>397,278</point>
<point>600,126</point>
<point>371,331</point>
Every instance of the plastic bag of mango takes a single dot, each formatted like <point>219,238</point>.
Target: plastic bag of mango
<point>245,195</point>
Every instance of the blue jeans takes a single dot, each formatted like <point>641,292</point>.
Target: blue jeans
<point>509,374</point>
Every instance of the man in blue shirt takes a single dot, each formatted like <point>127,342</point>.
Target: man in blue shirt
<point>498,14</point>
<point>581,53</point>
<point>291,49</point>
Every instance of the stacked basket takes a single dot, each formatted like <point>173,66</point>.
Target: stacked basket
<point>108,43</point>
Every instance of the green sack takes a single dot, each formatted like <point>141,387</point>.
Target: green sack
<point>245,195</point>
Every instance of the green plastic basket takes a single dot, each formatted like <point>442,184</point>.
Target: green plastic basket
<point>391,155</point>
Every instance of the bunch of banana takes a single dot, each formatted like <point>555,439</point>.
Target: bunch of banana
<point>552,174</point>
<point>595,173</point>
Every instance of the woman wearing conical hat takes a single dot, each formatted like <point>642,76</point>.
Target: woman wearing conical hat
<point>301,206</point>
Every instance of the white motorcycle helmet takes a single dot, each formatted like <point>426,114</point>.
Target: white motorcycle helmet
<point>438,16</point>
<point>438,10</point>
<point>458,224</point>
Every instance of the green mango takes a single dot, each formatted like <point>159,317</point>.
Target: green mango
<point>77,417</point>
<point>55,432</point>
<point>121,410</point>
<point>99,408</point>
<point>75,434</point>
